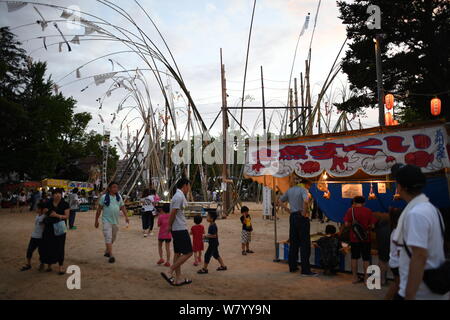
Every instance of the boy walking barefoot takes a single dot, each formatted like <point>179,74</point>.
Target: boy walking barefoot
<point>247,228</point>
<point>164,236</point>
<point>197,232</point>
<point>111,203</point>
<point>213,245</point>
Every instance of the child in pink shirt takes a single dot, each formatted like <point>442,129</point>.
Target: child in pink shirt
<point>164,236</point>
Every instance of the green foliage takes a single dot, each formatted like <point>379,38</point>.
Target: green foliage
<point>41,136</point>
<point>415,54</point>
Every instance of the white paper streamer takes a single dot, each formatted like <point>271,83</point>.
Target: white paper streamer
<point>75,40</point>
<point>78,73</point>
<point>305,25</point>
<point>43,23</point>
<point>101,78</point>
<point>15,5</point>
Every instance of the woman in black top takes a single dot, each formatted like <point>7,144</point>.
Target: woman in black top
<point>52,246</point>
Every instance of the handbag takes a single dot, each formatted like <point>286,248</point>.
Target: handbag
<point>358,229</point>
<point>59,228</point>
<point>437,279</point>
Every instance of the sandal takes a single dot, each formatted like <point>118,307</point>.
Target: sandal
<point>186,281</point>
<point>49,270</point>
<point>222,268</point>
<point>244,253</point>
<point>165,277</point>
<point>202,271</point>
<point>25,267</point>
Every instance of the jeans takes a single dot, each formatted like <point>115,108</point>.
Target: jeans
<point>305,244</point>
<point>147,220</point>
<point>72,215</point>
<point>294,240</point>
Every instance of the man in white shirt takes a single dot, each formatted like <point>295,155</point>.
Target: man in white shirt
<point>419,233</point>
<point>182,245</point>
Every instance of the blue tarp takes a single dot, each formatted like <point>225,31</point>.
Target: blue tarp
<point>335,207</point>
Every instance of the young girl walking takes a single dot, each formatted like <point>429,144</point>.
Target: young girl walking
<point>164,236</point>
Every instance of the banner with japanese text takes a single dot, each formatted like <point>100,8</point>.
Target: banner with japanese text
<point>343,156</point>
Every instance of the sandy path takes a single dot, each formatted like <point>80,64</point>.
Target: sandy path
<point>135,275</point>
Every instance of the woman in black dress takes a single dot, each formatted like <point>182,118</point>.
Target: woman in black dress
<point>54,235</point>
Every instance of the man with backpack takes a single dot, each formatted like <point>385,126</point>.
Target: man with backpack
<point>361,221</point>
<point>424,271</point>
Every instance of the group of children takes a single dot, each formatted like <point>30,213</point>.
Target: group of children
<point>199,237</point>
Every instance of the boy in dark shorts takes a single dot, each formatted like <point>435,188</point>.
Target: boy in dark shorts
<point>213,245</point>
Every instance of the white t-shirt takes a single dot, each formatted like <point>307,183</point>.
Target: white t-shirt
<point>179,202</point>
<point>394,253</point>
<point>147,203</point>
<point>422,229</point>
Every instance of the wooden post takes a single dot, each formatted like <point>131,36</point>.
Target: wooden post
<point>296,105</point>
<point>263,101</point>
<point>291,114</point>
<point>224,137</point>
<point>302,93</point>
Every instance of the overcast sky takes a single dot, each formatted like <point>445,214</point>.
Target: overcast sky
<point>195,30</point>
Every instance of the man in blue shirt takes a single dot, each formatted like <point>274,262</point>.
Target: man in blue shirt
<point>111,203</point>
<point>299,226</point>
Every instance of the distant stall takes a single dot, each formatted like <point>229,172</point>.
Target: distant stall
<point>86,186</point>
<point>55,183</point>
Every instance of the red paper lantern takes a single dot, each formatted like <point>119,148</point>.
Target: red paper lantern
<point>435,106</point>
<point>388,119</point>
<point>395,123</point>
<point>389,101</point>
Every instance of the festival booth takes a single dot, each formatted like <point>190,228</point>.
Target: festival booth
<point>55,183</point>
<point>347,164</point>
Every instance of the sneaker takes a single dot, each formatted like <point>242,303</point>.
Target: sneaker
<point>250,251</point>
<point>112,260</point>
<point>167,264</point>
<point>151,233</point>
<point>309,274</point>
<point>145,235</point>
<point>160,261</point>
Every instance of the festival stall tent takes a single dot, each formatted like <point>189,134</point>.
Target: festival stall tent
<point>343,165</point>
<point>55,183</point>
<point>86,186</point>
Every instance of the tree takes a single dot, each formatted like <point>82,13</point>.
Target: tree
<point>415,55</point>
<point>41,136</point>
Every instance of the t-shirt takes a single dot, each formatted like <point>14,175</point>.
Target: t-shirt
<point>38,226</point>
<point>246,223</point>
<point>394,253</point>
<point>111,213</point>
<point>329,251</point>
<point>197,233</point>
<point>365,218</point>
<point>422,229</point>
<point>212,230</point>
<point>147,203</point>
<point>179,202</point>
<point>163,223</point>
<point>73,201</point>
<point>296,197</point>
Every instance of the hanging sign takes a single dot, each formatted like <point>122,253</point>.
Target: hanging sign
<point>267,201</point>
<point>343,156</point>
<point>350,191</point>
<point>381,187</point>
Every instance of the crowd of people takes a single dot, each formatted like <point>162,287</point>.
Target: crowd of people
<point>410,242</point>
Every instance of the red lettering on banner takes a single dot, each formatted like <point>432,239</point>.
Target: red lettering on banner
<point>339,162</point>
<point>257,167</point>
<point>265,155</point>
<point>394,144</point>
<point>419,158</point>
<point>309,166</point>
<point>293,153</point>
<point>325,151</point>
<point>363,147</point>
<point>422,141</point>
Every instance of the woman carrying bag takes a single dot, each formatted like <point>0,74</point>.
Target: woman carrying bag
<point>54,235</point>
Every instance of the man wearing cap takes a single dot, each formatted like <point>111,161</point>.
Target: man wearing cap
<point>419,235</point>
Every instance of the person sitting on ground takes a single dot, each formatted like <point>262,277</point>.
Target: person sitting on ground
<point>360,247</point>
<point>329,250</point>
<point>197,232</point>
<point>213,245</point>
<point>247,229</point>
<point>36,238</point>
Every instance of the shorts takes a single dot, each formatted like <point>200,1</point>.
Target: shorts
<point>165,240</point>
<point>181,242</point>
<point>110,232</point>
<point>32,246</point>
<point>360,249</point>
<point>246,236</point>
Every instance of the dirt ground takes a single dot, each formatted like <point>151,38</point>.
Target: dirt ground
<point>135,274</point>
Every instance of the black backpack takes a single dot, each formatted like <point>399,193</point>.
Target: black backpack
<point>437,280</point>
<point>359,231</point>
